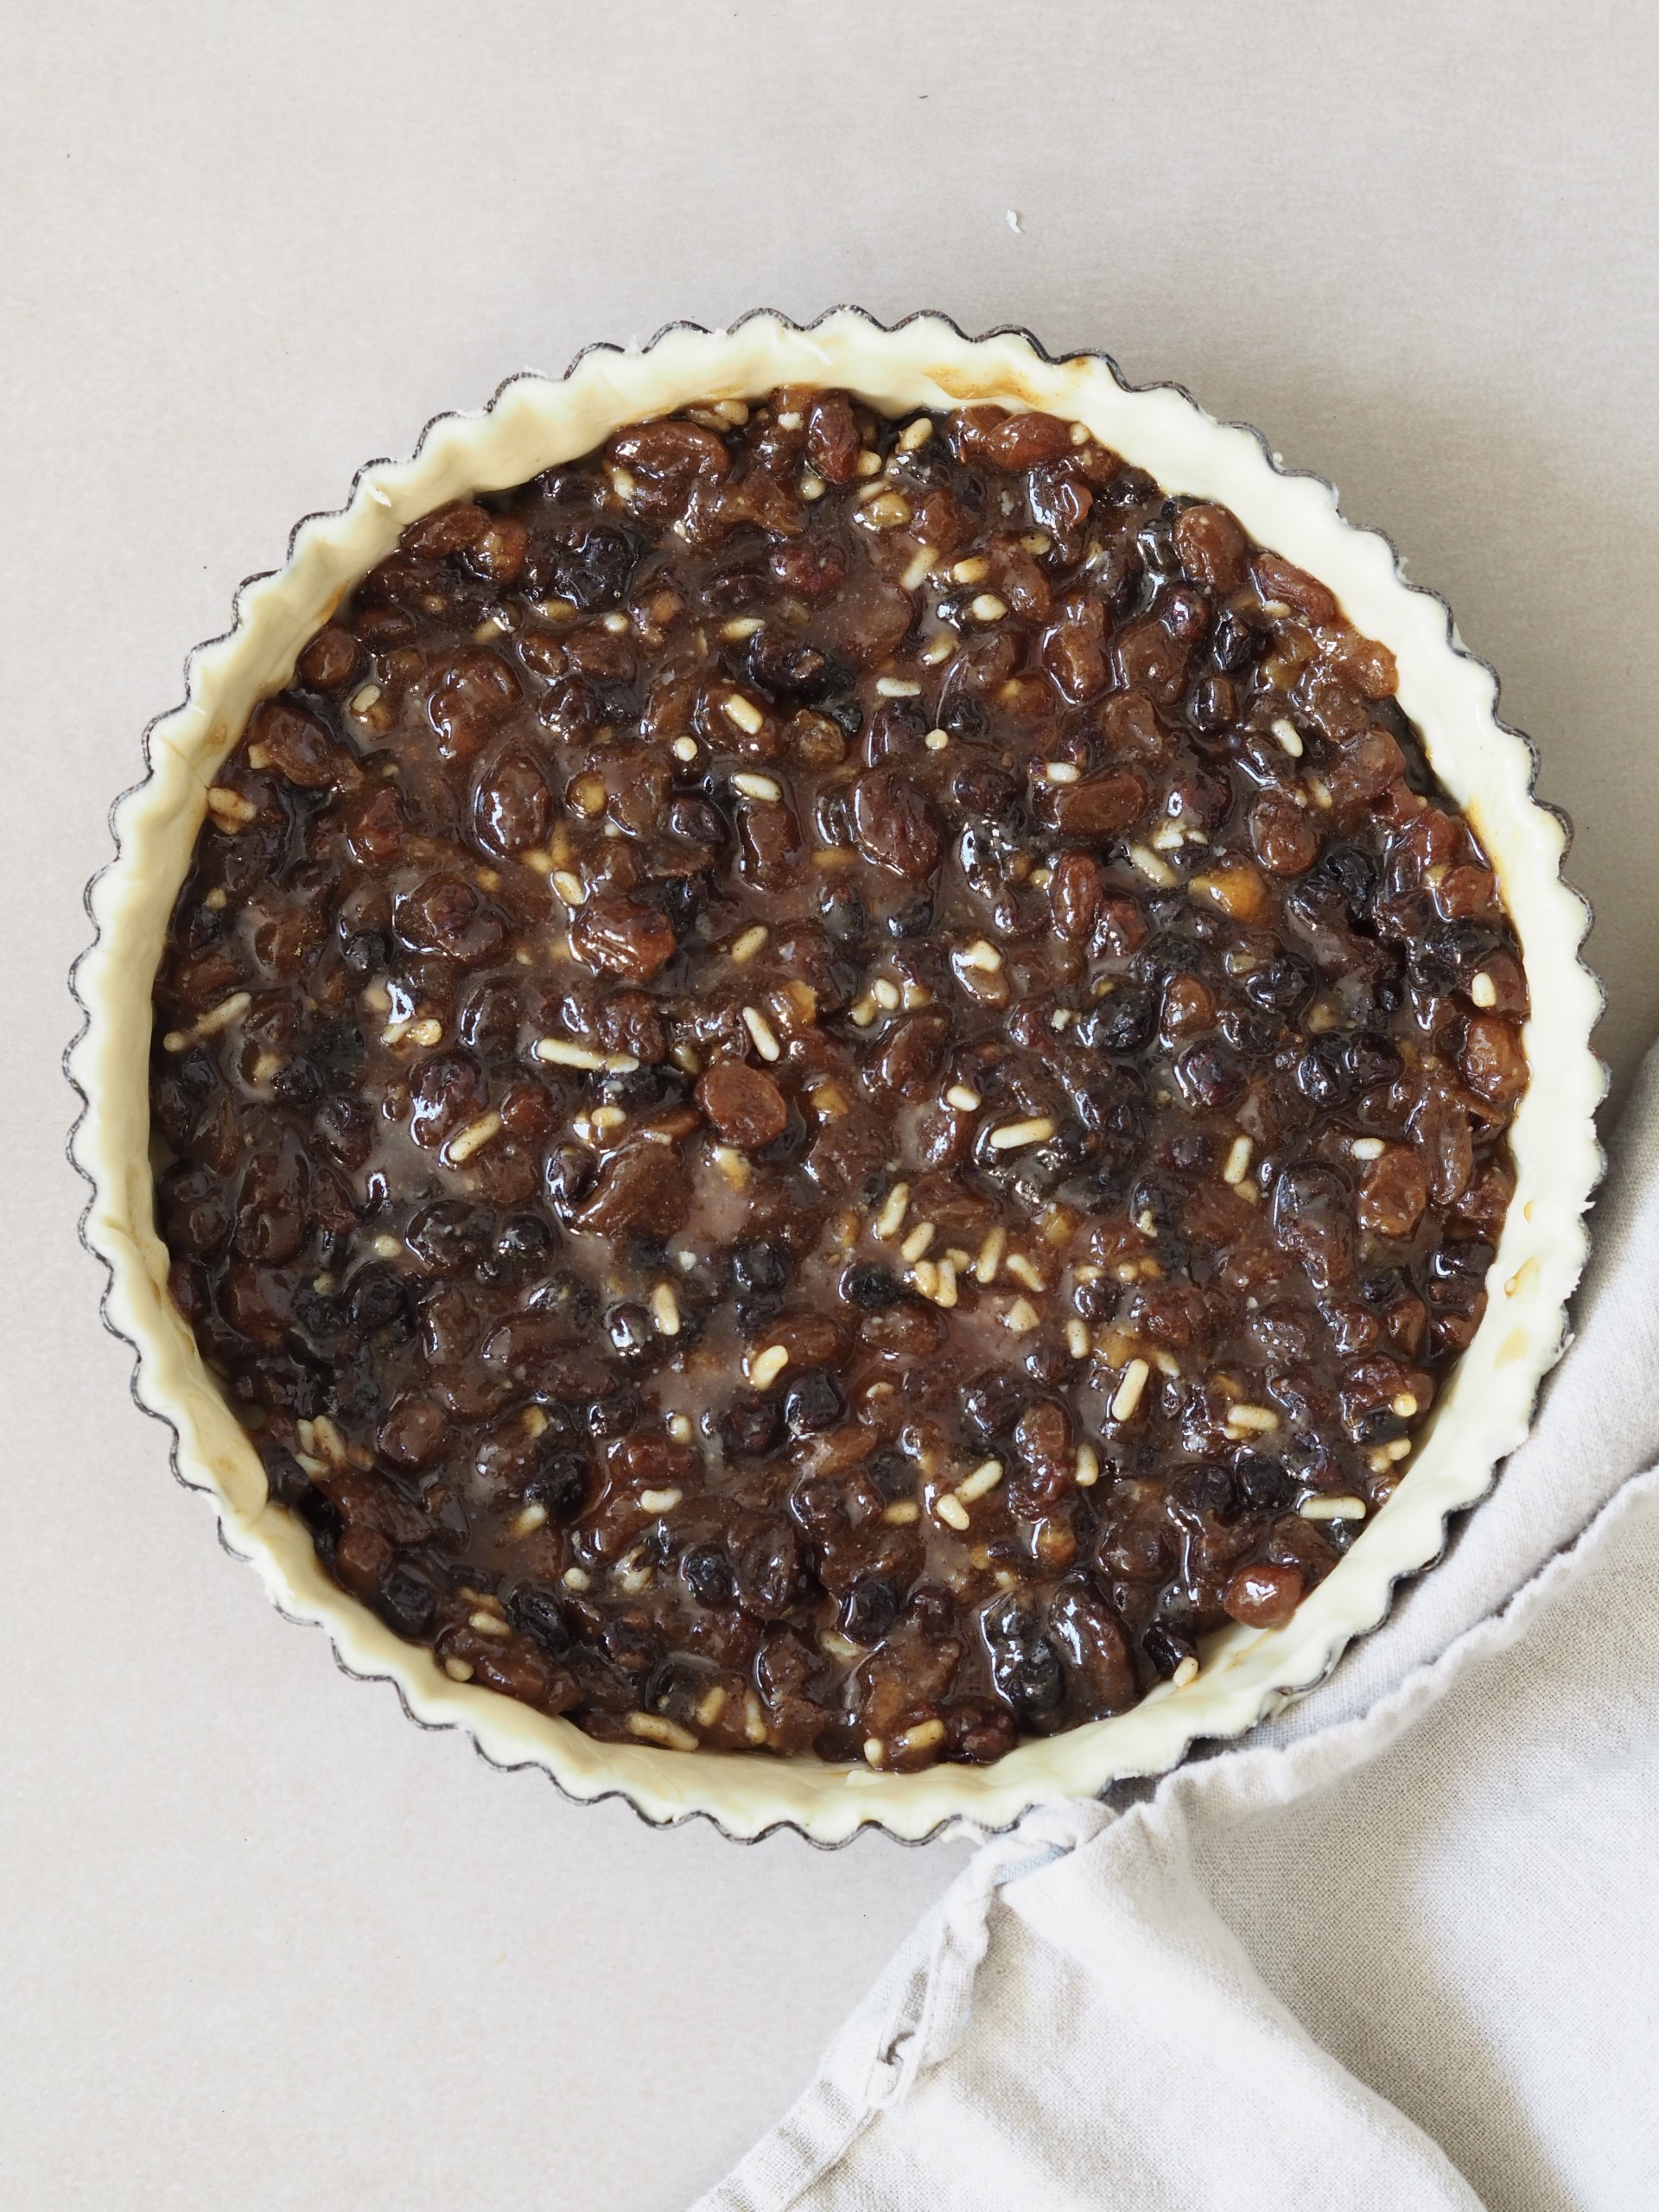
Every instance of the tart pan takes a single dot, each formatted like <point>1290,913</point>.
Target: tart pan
<point>534,422</point>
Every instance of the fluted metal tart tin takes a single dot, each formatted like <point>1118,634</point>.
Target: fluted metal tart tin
<point>534,422</point>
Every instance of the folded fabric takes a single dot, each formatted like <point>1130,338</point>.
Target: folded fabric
<point>1401,1950</point>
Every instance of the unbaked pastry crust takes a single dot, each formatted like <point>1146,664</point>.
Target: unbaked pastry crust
<point>925,362</point>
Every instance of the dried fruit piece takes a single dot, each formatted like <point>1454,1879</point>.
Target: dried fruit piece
<point>745,1107</point>
<point>895,825</point>
<point>619,935</point>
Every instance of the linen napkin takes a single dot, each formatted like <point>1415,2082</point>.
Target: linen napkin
<point>1401,1951</point>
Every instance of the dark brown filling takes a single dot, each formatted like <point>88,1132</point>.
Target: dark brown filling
<point>831,1082</point>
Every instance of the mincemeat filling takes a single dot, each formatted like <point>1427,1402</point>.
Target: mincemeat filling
<point>829,1083</point>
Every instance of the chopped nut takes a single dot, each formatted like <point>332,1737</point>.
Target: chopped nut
<point>732,1164</point>
<point>891,1217</point>
<point>652,1728</point>
<point>985,1477</point>
<point>1155,869</point>
<point>1257,1419</point>
<point>229,807</point>
<point>474,1138</point>
<point>761,788</point>
<point>559,1051</point>
<point>990,1255</point>
<point>1013,1135</point>
<point>766,1038</point>
<point>744,713</point>
<point>980,955</point>
<point>1127,1397</point>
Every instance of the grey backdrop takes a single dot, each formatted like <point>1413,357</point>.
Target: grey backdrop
<point>264,1943</point>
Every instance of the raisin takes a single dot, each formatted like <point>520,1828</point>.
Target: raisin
<point>1264,1596</point>
<point>869,1610</point>
<point>1023,441</point>
<point>707,1574</point>
<point>745,1107</point>
<point>445,914</point>
<point>895,825</point>
<point>991,1404</point>
<point>832,440</point>
<point>1211,547</point>
<point>330,661</point>
<point>1393,1193</point>
<point>622,937</point>
<point>1101,806</point>
<point>1493,1065</point>
<point>470,695</point>
<point>1026,1668</point>
<point>298,748</point>
<point>1122,1022</point>
<point>1312,1218</point>
<point>1285,840</point>
<point>512,806</point>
